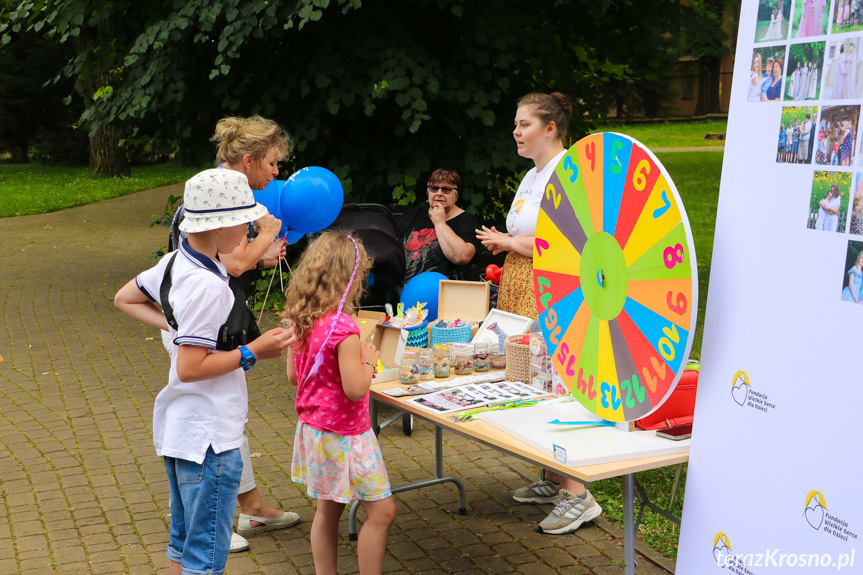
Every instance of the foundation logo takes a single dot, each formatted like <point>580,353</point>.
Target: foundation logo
<point>721,549</point>
<point>740,387</point>
<point>819,518</point>
<point>744,396</point>
<point>816,508</point>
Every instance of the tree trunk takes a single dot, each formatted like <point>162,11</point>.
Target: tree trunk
<point>106,157</point>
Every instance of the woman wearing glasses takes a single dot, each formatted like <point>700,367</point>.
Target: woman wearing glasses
<point>540,131</point>
<point>439,237</point>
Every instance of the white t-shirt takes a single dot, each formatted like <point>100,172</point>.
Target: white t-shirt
<point>189,417</point>
<point>831,221</point>
<point>521,220</point>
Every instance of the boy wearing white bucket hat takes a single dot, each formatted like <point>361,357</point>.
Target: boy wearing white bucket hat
<point>199,417</point>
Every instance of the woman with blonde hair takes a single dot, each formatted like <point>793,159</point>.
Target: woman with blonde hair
<point>253,146</point>
<point>755,79</point>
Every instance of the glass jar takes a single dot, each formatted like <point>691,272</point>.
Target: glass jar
<point>427,362</point>
<point>459,347</point>
<point>441,362</point>
<point>497,361</point>
<point>541,368</point>
<point>480,356</point>
<point>409,369</point>
<point>463,361</point>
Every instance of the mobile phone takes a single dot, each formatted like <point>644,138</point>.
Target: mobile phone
<point>677,432</point>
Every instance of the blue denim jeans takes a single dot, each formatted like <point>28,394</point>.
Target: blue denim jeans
<point>203,500</point>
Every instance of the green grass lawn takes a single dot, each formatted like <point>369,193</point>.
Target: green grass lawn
<point>36,189</point>
<point>762,26</point>
<point>670,134</point>
<point>696,175</point>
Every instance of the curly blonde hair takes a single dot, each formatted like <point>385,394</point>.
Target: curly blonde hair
<point>237,137</point>
<point>320,279</point>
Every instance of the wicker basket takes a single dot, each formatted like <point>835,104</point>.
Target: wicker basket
<point>460,334</point>
<point>517,359</point>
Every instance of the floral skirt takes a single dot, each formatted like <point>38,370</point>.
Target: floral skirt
<point>339,467</point>
<point>516,286</point>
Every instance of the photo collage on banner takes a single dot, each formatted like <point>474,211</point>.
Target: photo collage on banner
<point>770,489</point>
<point>819,69</point>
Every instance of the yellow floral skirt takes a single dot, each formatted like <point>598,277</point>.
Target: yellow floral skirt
<point>516,286</point>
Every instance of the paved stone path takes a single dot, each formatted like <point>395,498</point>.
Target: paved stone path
<point>82,491</point>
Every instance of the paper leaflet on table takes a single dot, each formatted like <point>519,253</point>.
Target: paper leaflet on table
<point>476,395</point>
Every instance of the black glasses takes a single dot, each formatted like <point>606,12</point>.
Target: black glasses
<point>444,189</point>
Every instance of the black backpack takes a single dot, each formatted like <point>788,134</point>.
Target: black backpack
<point>239,329</point>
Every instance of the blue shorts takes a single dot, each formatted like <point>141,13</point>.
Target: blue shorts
<point>203,500</point>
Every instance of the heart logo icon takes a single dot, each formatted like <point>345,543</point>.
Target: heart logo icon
<point>815,516</point>
<point>740,391</point>
<point>719,555</point>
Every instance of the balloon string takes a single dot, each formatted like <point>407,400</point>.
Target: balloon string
<point>281,282</point>
<point>264,306</point>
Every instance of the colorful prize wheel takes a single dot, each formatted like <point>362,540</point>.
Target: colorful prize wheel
<point>615,277</point>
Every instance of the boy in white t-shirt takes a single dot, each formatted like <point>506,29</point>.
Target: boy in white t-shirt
<point>199,417</point>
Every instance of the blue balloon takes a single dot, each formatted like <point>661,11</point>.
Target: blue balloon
<point>423,288</point>
<point>311,200</point>
<point>271,198</point>
<point>292,237</point>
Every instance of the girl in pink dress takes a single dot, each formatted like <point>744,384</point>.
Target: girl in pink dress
<point>336,453</point>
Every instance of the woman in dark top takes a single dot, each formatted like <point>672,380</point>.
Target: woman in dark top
<point>439,236</point>
<point>775,88</point>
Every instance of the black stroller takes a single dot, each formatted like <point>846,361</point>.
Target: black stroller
<point>375,225</point>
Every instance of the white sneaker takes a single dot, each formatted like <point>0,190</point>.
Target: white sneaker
<point>538,492</point>
<point>238,543</point>
<point>570,513</point>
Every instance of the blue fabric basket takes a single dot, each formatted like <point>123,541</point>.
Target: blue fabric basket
<point>418,335</point>
<point>460,334</point>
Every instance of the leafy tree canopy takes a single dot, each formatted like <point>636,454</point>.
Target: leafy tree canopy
<point>382,92</point>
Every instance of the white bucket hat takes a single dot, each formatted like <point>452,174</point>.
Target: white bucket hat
<point>219,198</point>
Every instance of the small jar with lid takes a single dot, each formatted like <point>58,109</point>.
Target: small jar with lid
<point>426,363</point>
<point>441,362</point>
<point>463,361</point>
<point>409,369</point>
<point>481,361</point>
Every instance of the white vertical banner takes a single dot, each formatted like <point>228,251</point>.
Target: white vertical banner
<point>774,476</point>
